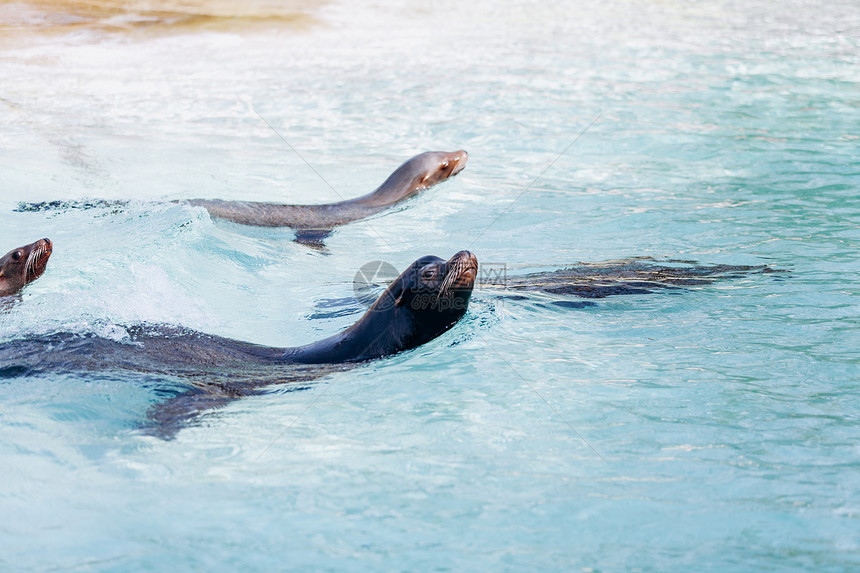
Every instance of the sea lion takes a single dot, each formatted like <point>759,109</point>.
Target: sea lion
<point>639,275</point>
<point>419,173</point>
<point>19,267</point>
<point>426,300</point>
<point>312,223</point>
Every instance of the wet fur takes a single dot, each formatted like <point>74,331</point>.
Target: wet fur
<point>220,369</point>
<point>19,267</point>
<point>414,176</point>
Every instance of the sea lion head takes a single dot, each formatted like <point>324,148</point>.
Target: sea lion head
<point>436,166</point>
<point>427,299</point>
<point>419,173</point>
<point>23,265</point>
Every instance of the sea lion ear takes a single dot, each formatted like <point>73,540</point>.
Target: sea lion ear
<point>398,294</point>
<point>399,297</point>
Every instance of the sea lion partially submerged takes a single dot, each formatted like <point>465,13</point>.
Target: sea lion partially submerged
<point>419,173</point>
<point>639,275</point>
<point>19,267</point>
<point>423,302</point>
<point>312,223</point>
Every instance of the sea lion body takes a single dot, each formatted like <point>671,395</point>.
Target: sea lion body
<point>423,302</point>
<point>312,223</point>
<point>19,267</point>
<point>415,175</point>
<point>640,275</point>
<point>426,299</point>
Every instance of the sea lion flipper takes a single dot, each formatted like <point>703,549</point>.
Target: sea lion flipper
<point>313,238</point>
<point>166,418</point>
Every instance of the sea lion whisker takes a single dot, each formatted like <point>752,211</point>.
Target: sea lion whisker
<point>30,264</point>
<point>460,266</point>
<point>449,279</point>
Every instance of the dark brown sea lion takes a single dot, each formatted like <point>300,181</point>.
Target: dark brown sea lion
<point>417,174</point>
<point>640,275</point>
<point>423,302</point>
<point>19,267</point>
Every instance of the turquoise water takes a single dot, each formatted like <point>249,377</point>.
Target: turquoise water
<point>711,430</point>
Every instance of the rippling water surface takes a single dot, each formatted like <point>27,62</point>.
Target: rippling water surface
<point>709,429</point>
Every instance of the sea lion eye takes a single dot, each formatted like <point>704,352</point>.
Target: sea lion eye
<point>16,256</point>
<point>428,274</point>
<point>444,165</point>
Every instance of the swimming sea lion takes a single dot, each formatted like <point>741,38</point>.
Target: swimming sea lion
<point>423,302</point>
<point>419,173</point>
<point>312,223</point>
<point>19,267</point>
<point>639,275</point>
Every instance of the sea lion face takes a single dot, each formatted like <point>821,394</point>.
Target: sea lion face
<point>433,294</point>
<point>439,285</point>
<point>434,167</point>
<point>419,173</point>
<point>23,265</point>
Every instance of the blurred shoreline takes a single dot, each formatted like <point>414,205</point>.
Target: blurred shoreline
<point>145,17</point>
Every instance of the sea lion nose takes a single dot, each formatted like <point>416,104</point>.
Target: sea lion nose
<point>466,263</point>
<point>464,256</point>
<point>468,255</point>
<point>459,158</point>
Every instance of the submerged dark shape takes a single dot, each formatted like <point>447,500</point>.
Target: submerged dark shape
<point>312,223</point>
<point>633,276</point>
<point>19,267</point>
<point>423,302</point>
<point>641,275</point>
<point>62,206</point>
